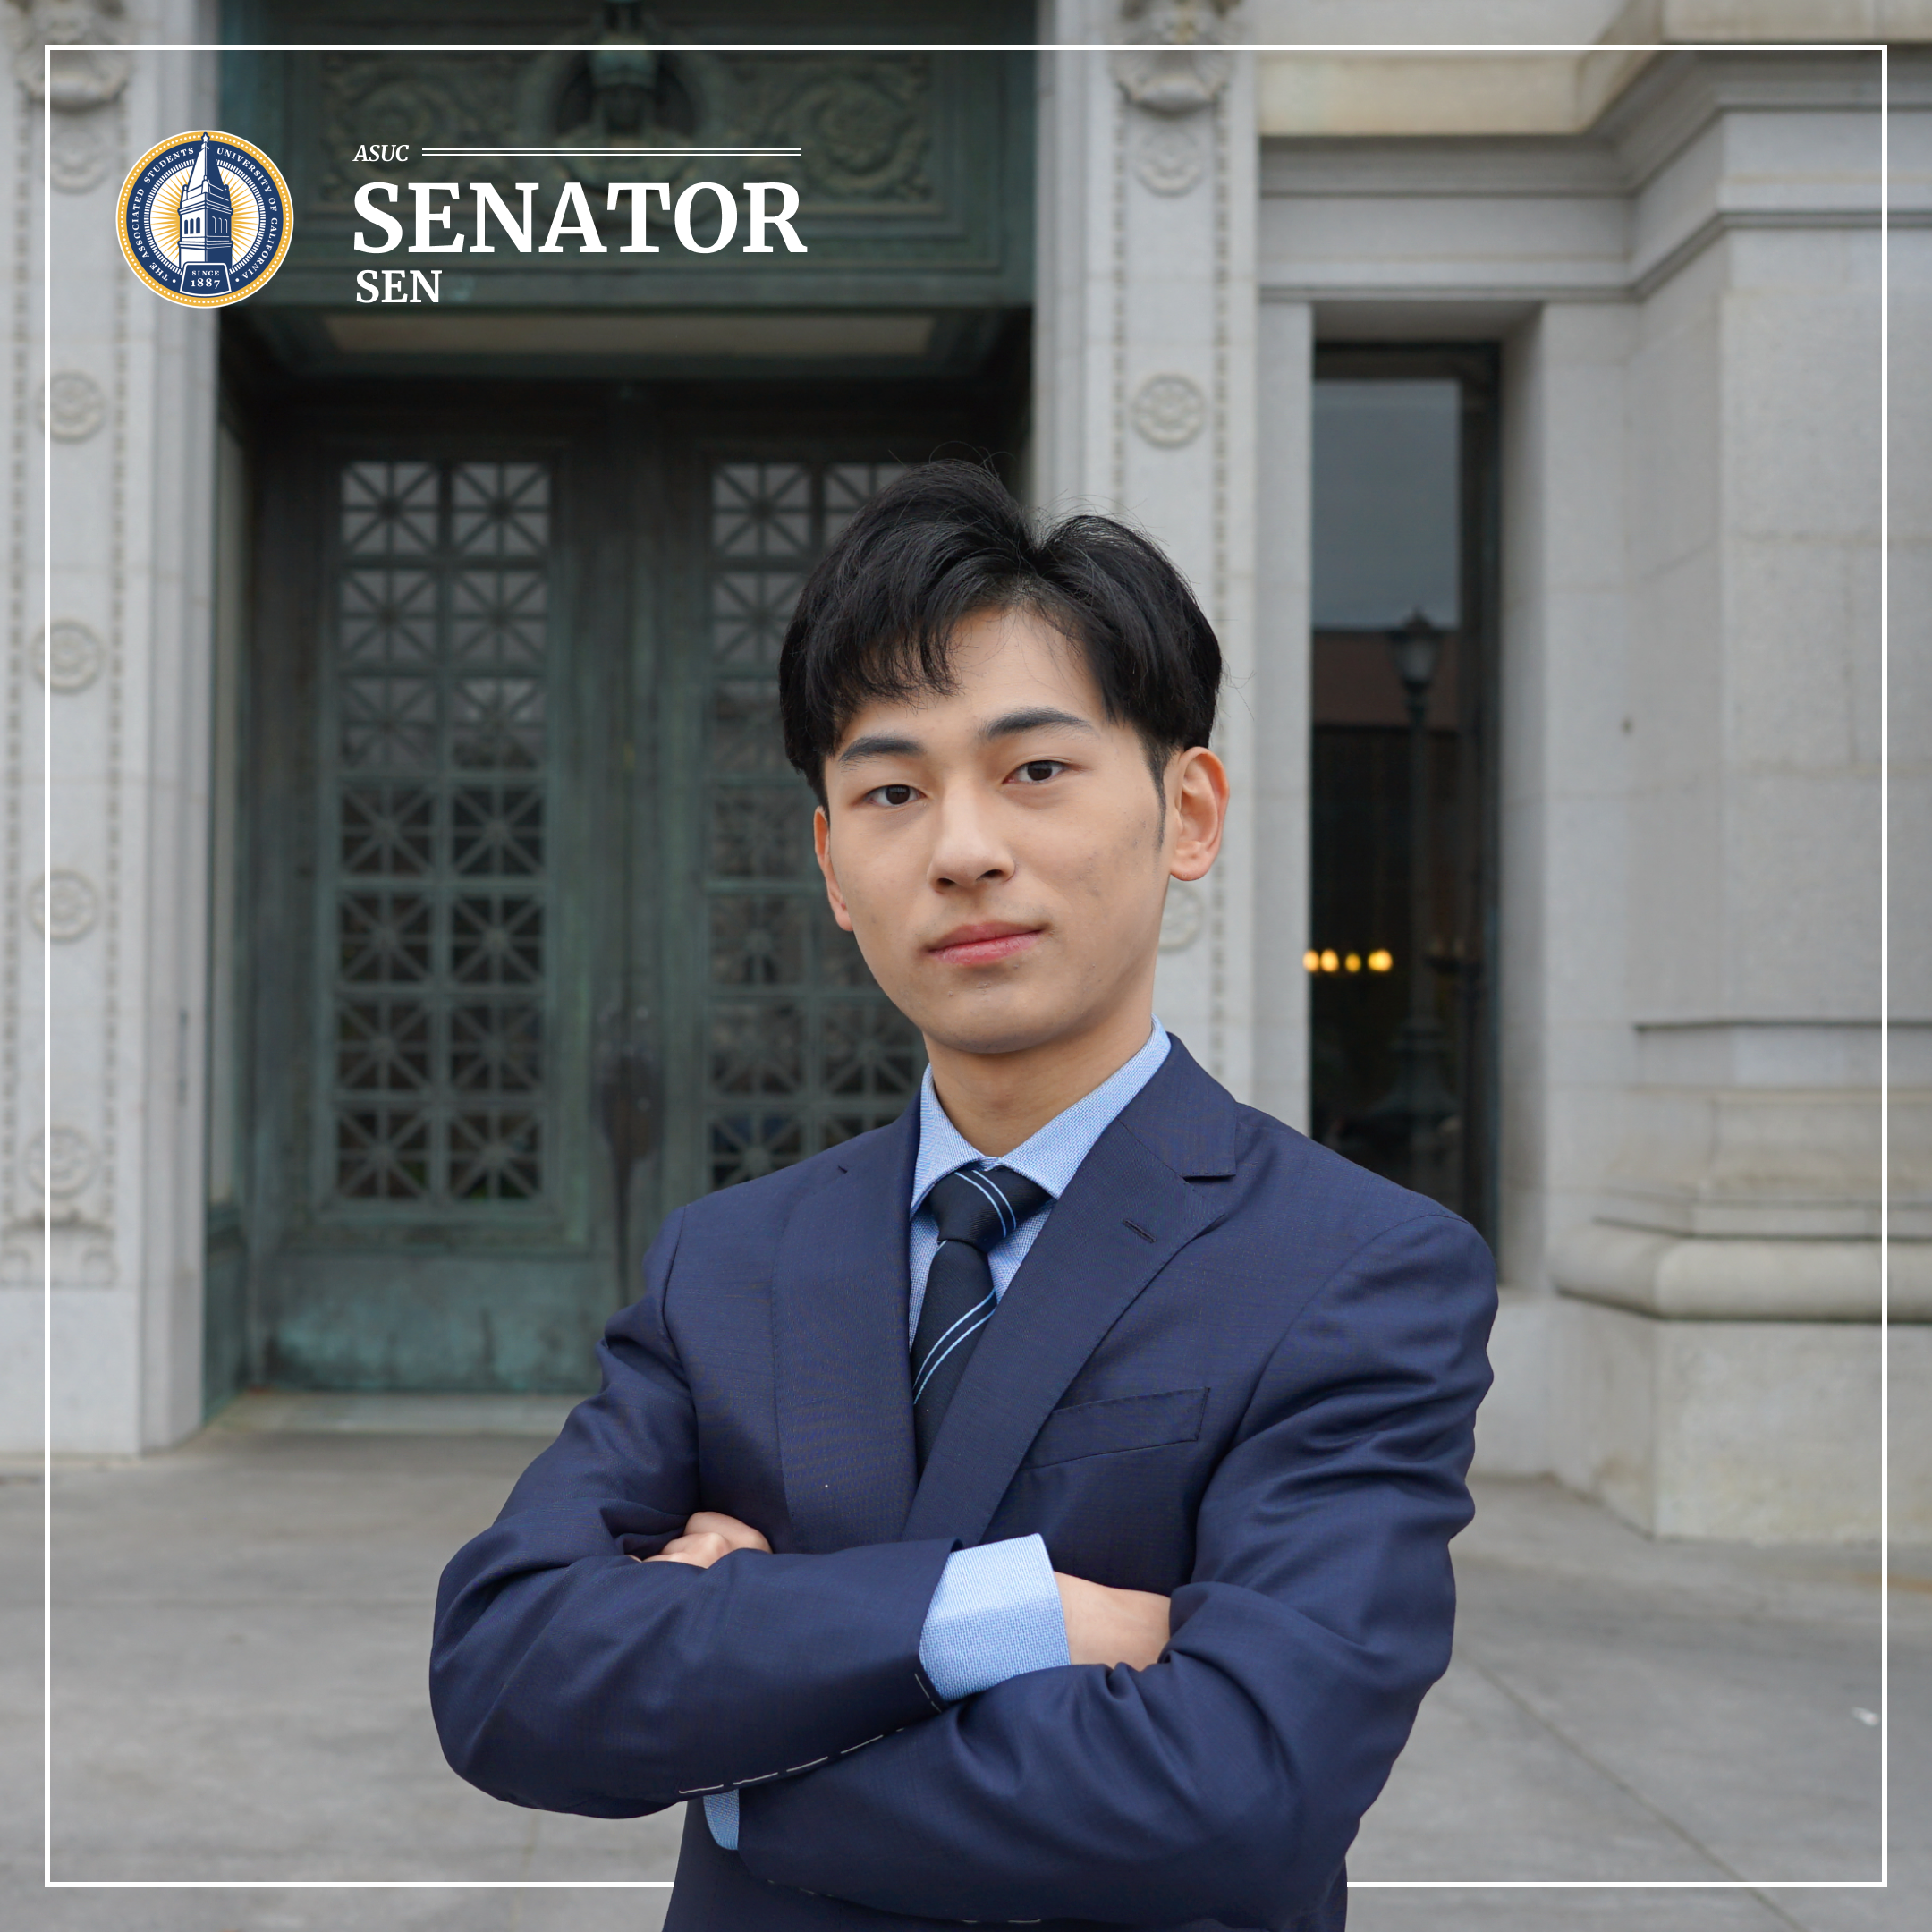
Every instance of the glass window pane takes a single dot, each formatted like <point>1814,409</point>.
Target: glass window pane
<point>1386,503</point>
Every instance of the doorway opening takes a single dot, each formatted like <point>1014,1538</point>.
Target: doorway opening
<point>1403,1037</point>
<point>530,941</point>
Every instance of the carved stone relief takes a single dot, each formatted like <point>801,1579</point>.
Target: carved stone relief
<point>1169,159</point>
<point>1180,70</point>
<point>631,91</point>
<point>65,1171</point>
<point>394,99</point>
<point>79,154</point>
<point>865,122</point>
<point>82,1254</point>
<point>81,80</point>
<point>75,660</point>
<point>76,406</point>
<point>1169,411</point>
<point>63,905</point>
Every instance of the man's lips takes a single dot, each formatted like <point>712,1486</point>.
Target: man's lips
<point>982,945</point>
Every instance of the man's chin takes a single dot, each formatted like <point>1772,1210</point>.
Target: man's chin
<point>991,1033</point>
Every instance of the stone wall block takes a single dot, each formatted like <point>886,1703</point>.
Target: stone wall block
<point>1753,1430</point>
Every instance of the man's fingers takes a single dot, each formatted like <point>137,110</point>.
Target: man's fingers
<point>736,1535</point>
<point>704,1549</point>
<point>701,1551</point>
<point>708,1535</point>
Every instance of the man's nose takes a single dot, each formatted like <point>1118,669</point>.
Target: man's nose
<point>969,849</point>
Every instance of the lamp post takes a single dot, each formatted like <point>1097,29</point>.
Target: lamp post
<point>1411,1115</point>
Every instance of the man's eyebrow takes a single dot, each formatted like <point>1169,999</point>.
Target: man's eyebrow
<point>1035,719</point>
<point>879,744</point>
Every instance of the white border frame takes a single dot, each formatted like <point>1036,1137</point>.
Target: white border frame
<point>996,46</point>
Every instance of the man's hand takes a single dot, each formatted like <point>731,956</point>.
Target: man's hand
<point>708,1536</point>
<point>1112,1626</point>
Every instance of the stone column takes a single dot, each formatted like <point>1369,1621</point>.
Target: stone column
<point>1564,1045</point>
<point>1146,392</point>
<point>1909,846</point>
<point>1718,1368</point>
<point>125,666</point>
<point>1278,702</point>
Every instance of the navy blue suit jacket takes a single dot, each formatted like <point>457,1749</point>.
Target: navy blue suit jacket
<point>1234,1368</point>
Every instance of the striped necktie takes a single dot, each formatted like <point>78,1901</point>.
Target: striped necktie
<point>975,1209</point>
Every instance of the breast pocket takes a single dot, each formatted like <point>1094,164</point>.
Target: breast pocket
<point>1117,1424</point>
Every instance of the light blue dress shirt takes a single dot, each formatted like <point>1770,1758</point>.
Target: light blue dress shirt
<point>996,1612</point>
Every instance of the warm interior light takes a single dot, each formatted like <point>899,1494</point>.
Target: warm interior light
<point>1353,962</point>
<point>1381,959</point>
<point>1329,962</point>
<point>1311,961</point>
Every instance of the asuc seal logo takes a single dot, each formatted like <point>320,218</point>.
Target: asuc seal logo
<point>205,219</point>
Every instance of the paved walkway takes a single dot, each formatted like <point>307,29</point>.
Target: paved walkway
<point>240,1628</point>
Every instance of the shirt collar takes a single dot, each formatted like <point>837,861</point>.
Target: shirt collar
<point>1050,1156</point>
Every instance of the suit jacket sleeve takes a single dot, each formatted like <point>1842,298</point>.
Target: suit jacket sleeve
<point>1227,1781</point>
<point>566,1676</point>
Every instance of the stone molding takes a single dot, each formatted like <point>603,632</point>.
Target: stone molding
<point>1628,226</point>
<point>1398,94</point>
<point>81,80</point>
<point>1705,1279</point>
<point>1741,1162</point>
<point>1642,21</point>
<point>1402,95</point>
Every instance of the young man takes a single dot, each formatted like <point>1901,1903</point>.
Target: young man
<point>1037,1510</point>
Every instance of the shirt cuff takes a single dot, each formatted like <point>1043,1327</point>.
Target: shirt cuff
<point>996,1615</point>
<point>721,1814</point>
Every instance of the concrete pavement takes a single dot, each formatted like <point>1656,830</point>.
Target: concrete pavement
<point>240,1628</point>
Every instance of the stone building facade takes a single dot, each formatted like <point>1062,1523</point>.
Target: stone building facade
<point>1648,264</point>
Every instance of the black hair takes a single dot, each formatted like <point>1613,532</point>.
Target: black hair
<point>947,541</point>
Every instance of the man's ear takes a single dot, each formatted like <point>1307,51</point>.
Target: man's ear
<point>1199,787</point>
<point>821,838</point>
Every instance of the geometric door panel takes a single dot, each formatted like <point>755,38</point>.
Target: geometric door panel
<point>519,801</point>
<point>438,982</point>
<point>800,1049</point>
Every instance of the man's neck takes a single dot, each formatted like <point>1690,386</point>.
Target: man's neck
<point>999,1100</point>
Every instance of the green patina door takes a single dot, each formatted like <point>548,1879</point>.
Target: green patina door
<point>540,948</point>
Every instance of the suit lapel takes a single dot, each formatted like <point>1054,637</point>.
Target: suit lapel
<point>1128,1212</point>
<point>843,1388</point>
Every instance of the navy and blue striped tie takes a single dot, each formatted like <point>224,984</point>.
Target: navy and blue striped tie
<point>976,1210</point>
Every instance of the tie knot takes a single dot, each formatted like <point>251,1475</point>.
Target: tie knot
<point>984,1206</point>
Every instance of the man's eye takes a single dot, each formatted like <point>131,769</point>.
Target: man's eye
<point>1037,771</point>
<point>890,794</point>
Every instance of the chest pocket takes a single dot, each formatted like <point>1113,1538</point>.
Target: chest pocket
<point>1117,1423</point>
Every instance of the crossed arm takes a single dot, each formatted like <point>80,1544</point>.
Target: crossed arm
<point>1225,1781</point>
<point>1103,1626</point>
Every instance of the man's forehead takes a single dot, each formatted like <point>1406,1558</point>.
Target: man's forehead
<point>999,664</point>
